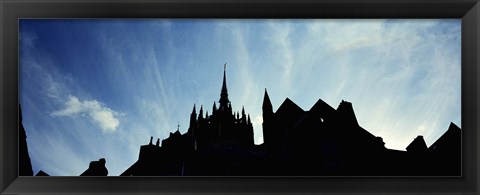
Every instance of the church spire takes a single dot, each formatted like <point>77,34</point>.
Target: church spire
<point>200,115</point>
<point>224,93</point>
<point>267,104</point>
<point>193,120</point>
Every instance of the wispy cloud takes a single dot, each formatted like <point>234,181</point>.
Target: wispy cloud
<point>103,116</point>
<point>279,36</point>
<point>395,72</point>
<point>55,156</point>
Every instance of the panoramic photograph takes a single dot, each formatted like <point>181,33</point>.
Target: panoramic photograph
<point>240,97</point>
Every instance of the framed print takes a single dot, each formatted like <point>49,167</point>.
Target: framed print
<point>240,97</point>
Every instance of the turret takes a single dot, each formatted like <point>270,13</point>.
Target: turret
<point>345,111</point>
<point>267,105</point>
<point>193,121</point>
<point>200,114</point>
<point>267,114</point>
<point>244,117</point>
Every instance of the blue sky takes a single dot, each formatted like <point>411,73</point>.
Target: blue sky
<point>93,89</point>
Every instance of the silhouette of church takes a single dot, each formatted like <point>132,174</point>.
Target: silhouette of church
<point>217,144</point>
<point>321,141</point>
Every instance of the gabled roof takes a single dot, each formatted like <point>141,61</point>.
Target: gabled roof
<point>322,109</point>
<point>288,115</point>
<point>320,104</point>
<point>288,106</point>
<point>319,109</point>
<point>417,144</point>
<point>452,132</point>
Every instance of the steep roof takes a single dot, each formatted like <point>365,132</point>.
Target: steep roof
<point>288,115</point>
<point>453,132</point>
<point>417,144</point>
<point>267,104</point>
<point>322,109</point>
<point>319,110</point>
<point>288,106</point>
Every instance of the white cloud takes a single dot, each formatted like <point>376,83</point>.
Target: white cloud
<point>279,37</point>
<point>101,115</point>
<point>372,63</point>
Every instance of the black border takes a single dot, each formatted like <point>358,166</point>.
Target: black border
<point>12,10</point>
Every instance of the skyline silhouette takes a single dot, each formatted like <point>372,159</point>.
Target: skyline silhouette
<point>102,88</point>
<point>322,141</point>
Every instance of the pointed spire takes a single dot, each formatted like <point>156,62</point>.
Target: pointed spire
<point>244,117</point>
<point>224,93</point>
<point>248,120</point>
<point>193,120</point>
<point>243,110</point>
<point>214,107</point>
<point>267,104</point>
<point>200,114</point>
<point>206,115</point>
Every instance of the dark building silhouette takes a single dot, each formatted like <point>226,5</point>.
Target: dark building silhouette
<point>445,153</point>
<point>217,144</point>
<point>96,168</point>
<point>321,141</point>
<point>328,141</point>
<point>24,163</point>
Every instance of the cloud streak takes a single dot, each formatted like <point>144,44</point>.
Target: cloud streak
<point>402,77</point>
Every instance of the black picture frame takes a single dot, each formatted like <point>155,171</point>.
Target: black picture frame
<point>467,10</point>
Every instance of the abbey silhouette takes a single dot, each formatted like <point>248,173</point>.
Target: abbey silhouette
<point>321,141</point>
<point>217,144</point>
